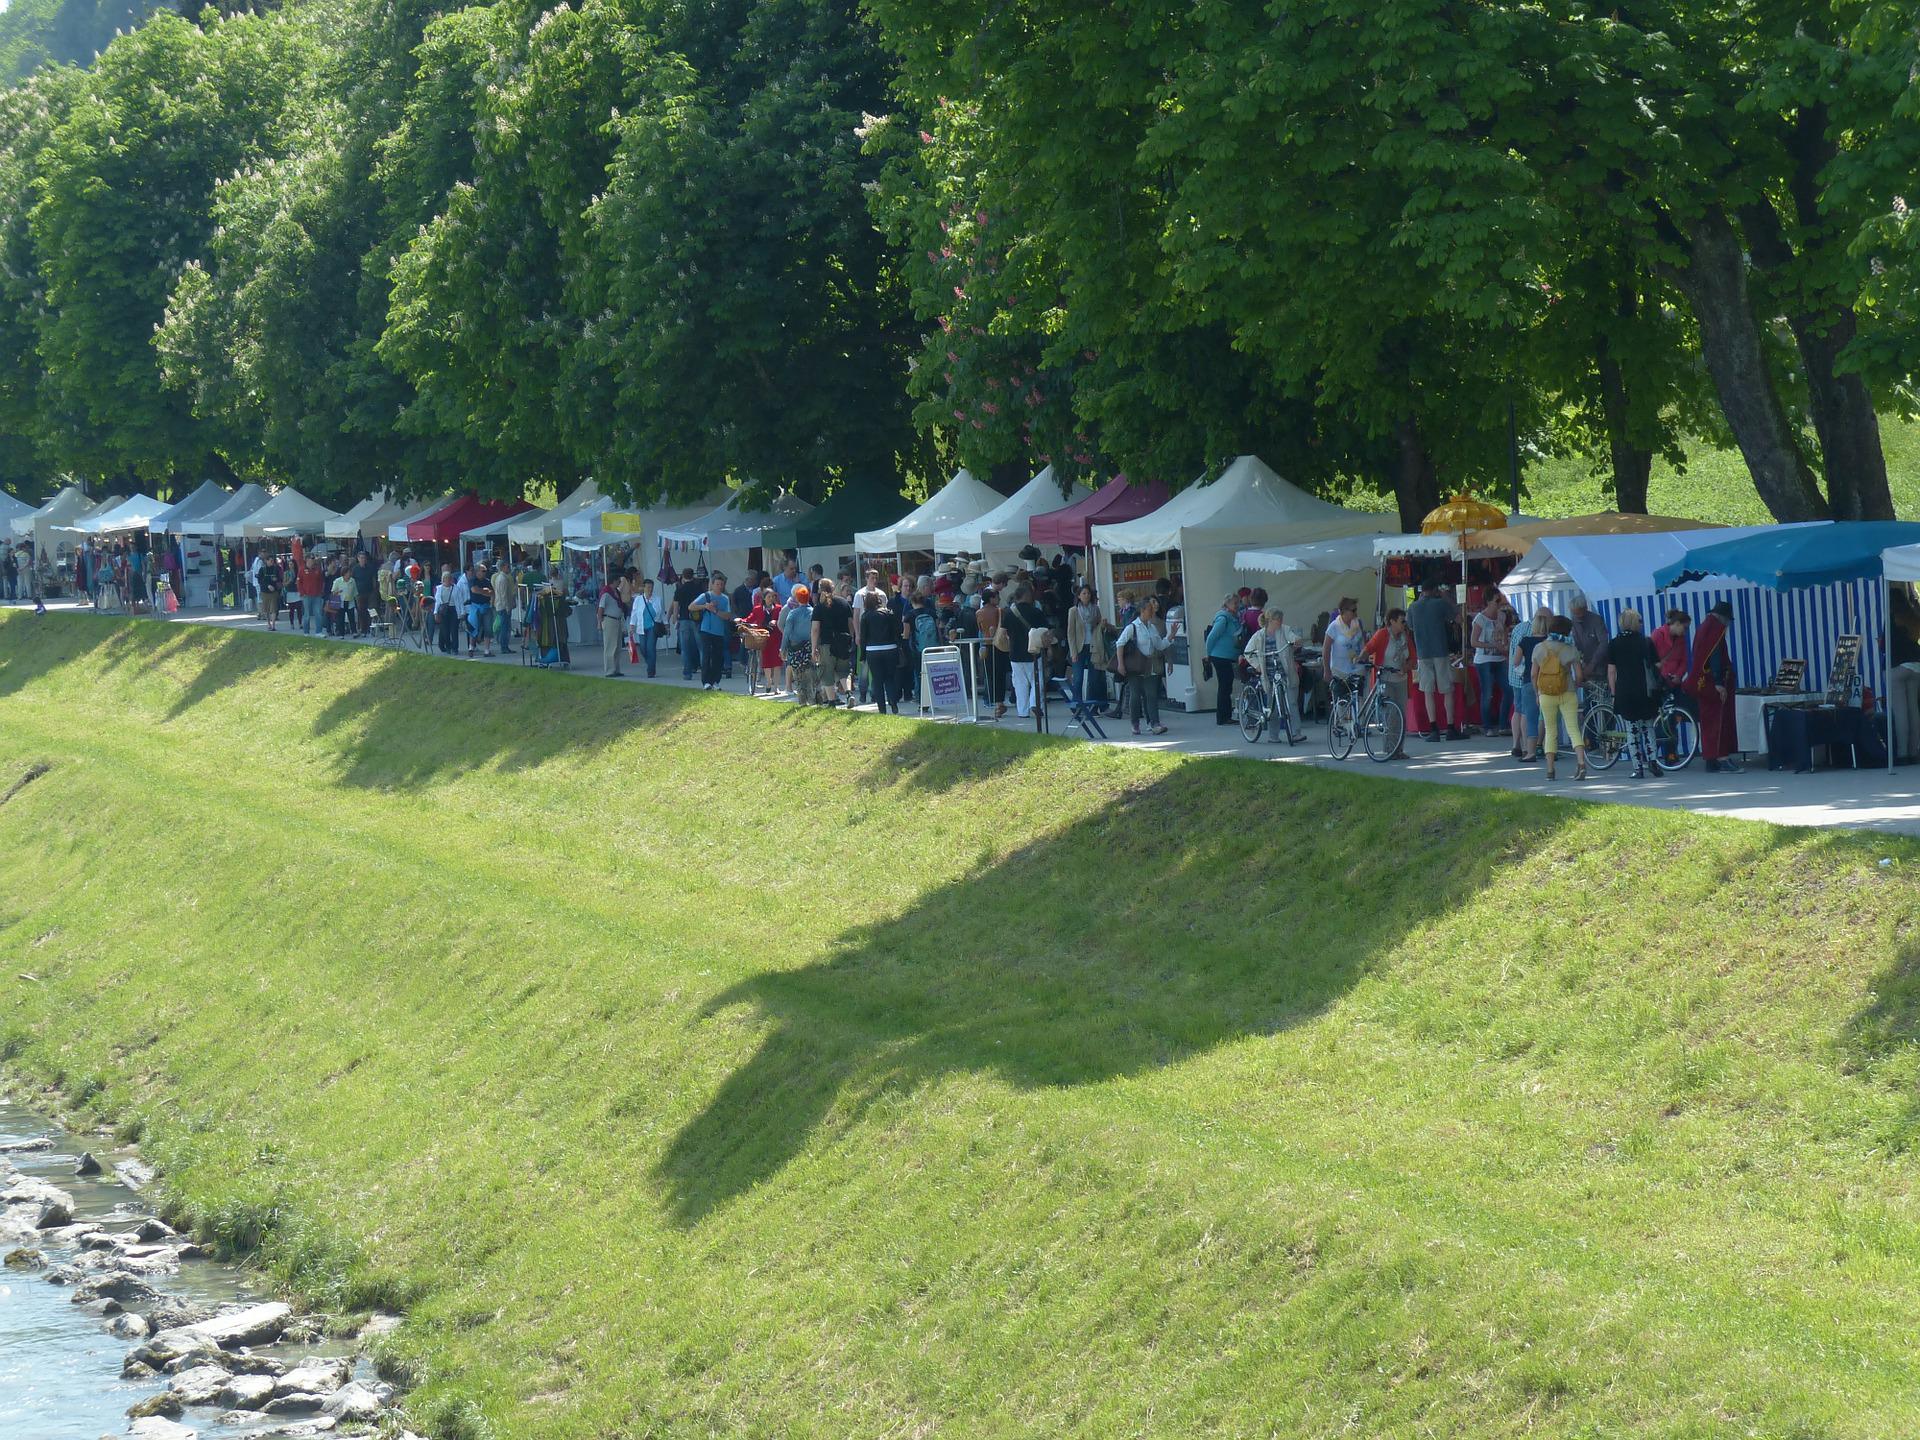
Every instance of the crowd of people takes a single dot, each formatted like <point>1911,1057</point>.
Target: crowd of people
<point>848,641</point>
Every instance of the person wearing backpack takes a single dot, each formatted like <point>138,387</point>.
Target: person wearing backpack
<point>1556,679</point>
<point>1526,700</point>
<point>1136,651</point>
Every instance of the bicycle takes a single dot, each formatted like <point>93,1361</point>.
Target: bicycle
<point>1374,720</point>
<point>1263,704</point>
<point>1607,738</point>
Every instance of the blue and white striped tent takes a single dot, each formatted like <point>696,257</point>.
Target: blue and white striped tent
<point>1615,573</point>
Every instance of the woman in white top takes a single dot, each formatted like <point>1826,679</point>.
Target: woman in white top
<point>1270,653</point>
<point>641,619</point>
<point>1139,647</point>
<point>446,611</point>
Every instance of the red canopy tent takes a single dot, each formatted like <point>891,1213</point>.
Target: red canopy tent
<point>1119,499</point>
<point>450,521</point>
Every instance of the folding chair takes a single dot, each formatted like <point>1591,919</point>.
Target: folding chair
<point>1082,715</point>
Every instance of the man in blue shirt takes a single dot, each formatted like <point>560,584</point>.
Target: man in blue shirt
<point>714,611</point>
<point>784,582</point>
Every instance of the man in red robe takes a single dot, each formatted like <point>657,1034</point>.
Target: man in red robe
<point>1711,682</point>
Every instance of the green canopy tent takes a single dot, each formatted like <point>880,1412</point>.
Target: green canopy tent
<point>824,535</point>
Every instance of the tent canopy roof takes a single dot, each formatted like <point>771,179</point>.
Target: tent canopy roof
<point>58,510</point>
<point>962,498</point>
<point>420,510</point>
<point>1070,526</point>
<point>857,505</point>
<point>1245,501</point>
<point>1793,557</point>
<point>369,518</point>
<point>1339,556</point>
<point>1606,567</point>
<point>1518,536</point>
<point>453,519</point>
<point>1005,526</point>
<point>1902,562</point>
<point>12,507</point>
<point>210,496</point>
<point>728,527</point>
<point>543,526</point>
<point>136,512</point>
<point>287,513</point>
<point>91,513</point>
<point>237,506</point>
<point>604,522</point>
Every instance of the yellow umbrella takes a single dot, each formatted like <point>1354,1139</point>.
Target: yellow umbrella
<point>1461,514</point>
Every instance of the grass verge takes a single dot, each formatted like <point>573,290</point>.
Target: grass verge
<point>695,1067</point>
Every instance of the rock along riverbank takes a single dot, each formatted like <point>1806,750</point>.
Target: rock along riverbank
<point>112,1323</point>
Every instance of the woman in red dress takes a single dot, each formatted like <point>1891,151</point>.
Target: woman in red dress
<point>766,614</point>
<point>1712,683</point>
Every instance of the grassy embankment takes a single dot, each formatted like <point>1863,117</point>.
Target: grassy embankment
<point>697,1067</point>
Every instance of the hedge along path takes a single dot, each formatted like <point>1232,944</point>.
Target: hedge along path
<point>696,1067</point>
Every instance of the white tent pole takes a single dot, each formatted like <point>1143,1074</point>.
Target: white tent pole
<point>1886,671</point>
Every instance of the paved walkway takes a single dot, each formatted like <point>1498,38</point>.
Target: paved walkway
<point>1852,799</point>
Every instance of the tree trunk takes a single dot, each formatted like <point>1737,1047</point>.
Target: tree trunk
<point>1415,485</point>
<point>1632,464</point>
<point>1823,326</point>
<point>1715,284</point>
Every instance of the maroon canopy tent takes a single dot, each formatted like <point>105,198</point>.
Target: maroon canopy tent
<point>1119,499</point>
<point>450,521</point>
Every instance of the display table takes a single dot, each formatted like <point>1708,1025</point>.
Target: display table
<point>1851,737</point>
<point>1750,717</point>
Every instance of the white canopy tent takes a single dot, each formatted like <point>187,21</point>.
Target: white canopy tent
<point>210,496</point>
<point>12,508</point>
<point>134,513</point>
<point>729,527</point>
<point>1248,507</point>
<point>366,521</point>
<point>397,531</point>
<point>287,513</point>
<point>544,527</point>
<point>1000,534</point>
<point>40,525</point>
<point>1900,565</point>
<point>75,529</point>
<point>961,499</point>
<point>1606,568</point>
<point>239,505</point>
<point>603,523</point>
<point>1336,557</point>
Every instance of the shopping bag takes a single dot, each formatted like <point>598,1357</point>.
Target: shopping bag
<point>633,651</point>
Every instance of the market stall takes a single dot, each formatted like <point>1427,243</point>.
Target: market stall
<point>423,510</point>
<point>604,525</point>
<point>1517,537</point>
<point>208,531</point>
<point>1818,594</point>
<point>1196,535</point>
<point>824,536</point>
<point>1071,526</point>
<point>446,525</point>
<point>543,528</point>
<point>133,514</point>
<point>287,513</point>
<point>74,529</point>
<point>368,520</point>
<point>193,556</point>
<point>730,537</point>
<point>911,537</point>
<point>999,536</point>
<point>1900,565</point>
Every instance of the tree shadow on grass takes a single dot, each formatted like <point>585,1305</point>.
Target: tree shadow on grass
<point>1214,902</point>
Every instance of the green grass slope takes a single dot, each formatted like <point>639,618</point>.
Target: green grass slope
<point>696,1067</point>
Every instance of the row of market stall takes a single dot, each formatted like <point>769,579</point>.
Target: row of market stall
<point>1206,541</point>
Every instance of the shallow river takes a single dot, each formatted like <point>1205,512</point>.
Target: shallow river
<point>59,1368</point>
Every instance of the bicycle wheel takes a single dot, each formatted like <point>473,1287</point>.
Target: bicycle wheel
<point>1386,730</point>
<point>1340,729</point>
<point>1605,736</point>
<point>1675,738</point>
<point>1253,712</point>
